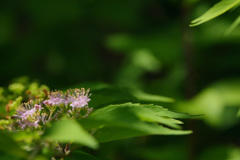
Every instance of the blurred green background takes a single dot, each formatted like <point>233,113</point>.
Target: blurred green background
<point>142,44</point>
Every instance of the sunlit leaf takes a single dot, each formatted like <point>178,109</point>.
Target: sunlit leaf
<point>218,9</point>
<point>23,136</point>
<point>234,154</point>
<point>145,60</point>
<point>70,131</point>
<point>142,96</point>
<point>219,102</point>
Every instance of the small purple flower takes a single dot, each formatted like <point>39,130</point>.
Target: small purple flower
<point>80,102</point>
<point>47,102</point>
<point>55,98</point>
<point>38,107</point>
<point>35,124</point>
<point>28,113</point>
<point>23,125</point>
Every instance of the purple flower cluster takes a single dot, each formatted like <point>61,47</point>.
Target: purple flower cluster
<point>28,115</point>
<point>33,115</point>
<point>77,98</point>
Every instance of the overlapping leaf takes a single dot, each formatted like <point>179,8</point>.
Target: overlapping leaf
<point>70,131</point>
<point>128,120</point>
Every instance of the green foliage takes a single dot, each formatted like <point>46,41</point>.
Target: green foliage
<point>112,119</point>
<point>219,102</point>
<point>16,88</point>
<point>70,131</point>
<point>128,120</point>
<point>143,44</point>
<point>218,9</point>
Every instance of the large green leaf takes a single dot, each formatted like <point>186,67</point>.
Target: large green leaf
<point>70,131</point>
<point>129,120</point>
<point>9,146</point>
<point>218,9</point>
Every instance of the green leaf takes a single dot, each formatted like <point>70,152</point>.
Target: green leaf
<point>111,133</point>
<point>9,146</point>
<point>129,120</point>
<point>70,131</point>
<point>26,137</point>
<point>218,9</point>
<point>166,113</point>
<point>142,96</point>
